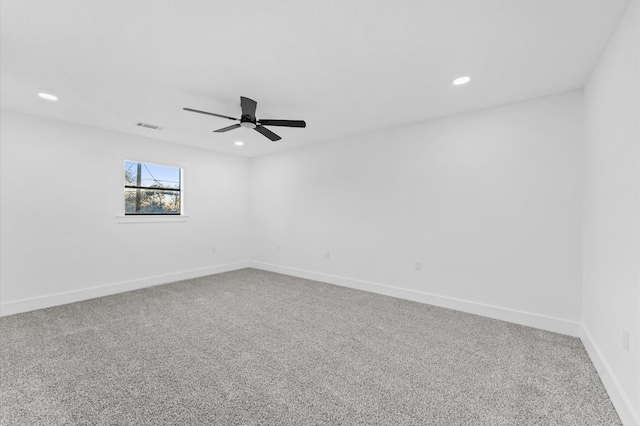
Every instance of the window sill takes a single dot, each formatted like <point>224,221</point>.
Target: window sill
<point>152,219</point>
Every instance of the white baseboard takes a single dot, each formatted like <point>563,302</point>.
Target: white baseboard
<point>617,395</point>
<point>555,325</point>
<point>25,305</point>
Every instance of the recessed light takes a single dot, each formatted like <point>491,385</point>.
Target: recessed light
<point>239,143</point>
<point>48,96</point>
<point>461,80</point>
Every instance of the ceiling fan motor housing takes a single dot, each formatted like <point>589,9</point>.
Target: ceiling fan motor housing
<point>248,122</point>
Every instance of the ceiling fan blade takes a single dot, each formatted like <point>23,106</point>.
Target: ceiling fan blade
<point>209,113</point>
<point>226,129</point>
<point>268,133</point>
<point>284,123</point>
<point>248,106</point>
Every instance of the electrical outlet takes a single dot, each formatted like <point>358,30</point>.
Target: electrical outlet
<point>625,340</point>
<point>327,255</point>
<point>418,266</point>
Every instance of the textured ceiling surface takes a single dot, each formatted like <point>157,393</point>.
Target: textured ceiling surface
<point>346,67</point>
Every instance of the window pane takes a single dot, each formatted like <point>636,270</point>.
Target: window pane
<point>130,173</point>
<point>151,189</point>
<point>151,201</point>
<point>151,175</point>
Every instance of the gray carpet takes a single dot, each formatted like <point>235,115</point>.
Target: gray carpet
<point>256,348</point>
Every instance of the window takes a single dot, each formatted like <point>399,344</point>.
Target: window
<point>151,189</point>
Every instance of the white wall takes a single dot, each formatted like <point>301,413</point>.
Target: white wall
<point>611,214</point>
<point>490,203</point>
<point>60,238</point>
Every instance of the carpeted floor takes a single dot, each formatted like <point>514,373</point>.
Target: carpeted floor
<point>256,348</point>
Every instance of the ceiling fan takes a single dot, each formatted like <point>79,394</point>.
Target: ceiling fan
<point>250,121</point>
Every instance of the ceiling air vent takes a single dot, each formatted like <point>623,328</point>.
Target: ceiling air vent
<point>149,126</point>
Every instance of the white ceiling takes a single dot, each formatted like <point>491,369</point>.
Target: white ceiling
<point>346,67</point>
